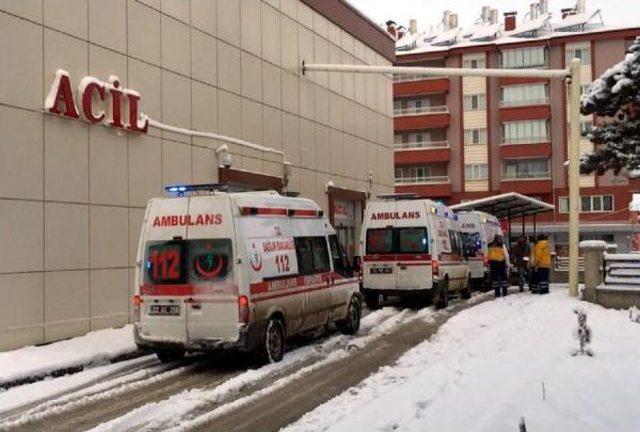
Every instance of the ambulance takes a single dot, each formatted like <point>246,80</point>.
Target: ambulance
<point>246,270</point>
<point>478,230</point>
<point>412,248</point>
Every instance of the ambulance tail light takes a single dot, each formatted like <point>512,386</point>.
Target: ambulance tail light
<point>435,267</point>
<point>243,309</point>
<point>137,301</point>
<point>485,261</point>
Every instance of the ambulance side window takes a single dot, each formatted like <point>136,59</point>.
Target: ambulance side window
<point>339,258</point>
<point>455,242</point>
<point>312,254</point>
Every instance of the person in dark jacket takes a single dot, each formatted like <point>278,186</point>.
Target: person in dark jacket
<point>498,266</point>
<point>520,259</point>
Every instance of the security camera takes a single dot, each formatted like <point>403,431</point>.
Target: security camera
<point>226,160</point>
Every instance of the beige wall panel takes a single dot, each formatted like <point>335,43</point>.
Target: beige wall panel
<point>66,299</point>
<point>21,155</point>
<point>203,15</point>
<point>108,24</point>
<point>250,28</point>
<point>307,144</point>
<point>289,44</point>
<point>323,148</point>
<point>143,31</point>
<point>108,237</point>
<point>108,166</point>
<point>251,126</point>
<point>291,138</point>
<point>322,105</point>
<point>21,68</point>
<point>21,310</point>
<point>271,127</point>
<point>307,99</point>
<point>66,244</point>
<point>474,85</point>
<point>109,298</point>
<point>270,19</point>
<point>475,154</point>
<point>178,9</point>
<point>176,104</point>
<point>228,21</point>
<point>476,185</point>
<point>136,218</point>
<point>29,9</point>
<point>146,79</point>
<point>271,85</point>
<point>205,165</point>
<point>290,94</point>
<point>204,116</point>
<point>145,169</point>
<point>251,76</point>
<point>21,236</point>
<point>69,16</point>
<point>176,163</point>
<point>337,153</point>
<point>475,119</point>
<point>204,58</point>
<point>336,111</point>
<point>335,57</point>
<point>63,52</point>
<point>229,114</point>
<point>305,15</point>
<point>587,181</point>
<point>228,67</point>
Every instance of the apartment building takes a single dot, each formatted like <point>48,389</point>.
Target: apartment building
<point>79,160</point>
<point>465,138</point>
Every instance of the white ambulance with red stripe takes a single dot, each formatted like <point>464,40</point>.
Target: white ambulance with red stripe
<point>412,248</point>
<point>238,270</point>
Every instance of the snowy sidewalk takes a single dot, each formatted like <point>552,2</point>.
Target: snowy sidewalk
<point>95,348</point>
<point>486,368</point>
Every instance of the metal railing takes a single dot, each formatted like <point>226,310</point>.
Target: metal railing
<point>421,145</point>
<point>423,179</point>
<point>524,102</point>
<point>561,263</point>
<point>420,110</point>
<point>414,77</point>
<point>526,175</point>
<point>525,139</point>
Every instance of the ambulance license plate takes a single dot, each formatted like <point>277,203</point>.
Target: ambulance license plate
<point>381,270</point>
<point>164,309</point>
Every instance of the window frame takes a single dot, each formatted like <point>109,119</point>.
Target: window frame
<point>563,204</point>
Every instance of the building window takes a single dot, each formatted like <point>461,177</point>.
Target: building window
<point>475,172</point>
<point>476,63</point>
<point>584,54</point>
<point>475,136</point>
<point>515,169</point>
<point>474,102</point>
<point>524,58</point>
<point>529,94</point>
<point>526,131</point>
<point>588,204</point>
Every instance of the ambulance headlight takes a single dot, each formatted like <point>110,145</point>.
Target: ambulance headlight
<point>173,189</point>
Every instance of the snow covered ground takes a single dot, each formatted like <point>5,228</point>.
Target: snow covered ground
<point>486,368</point>
<point>94,348</point>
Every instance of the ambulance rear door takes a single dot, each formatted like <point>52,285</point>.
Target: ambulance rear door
<point>413,262</point>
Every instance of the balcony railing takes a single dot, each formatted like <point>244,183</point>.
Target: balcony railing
<point>525,66</point>
<point>523,102</point>
<point>414,77</point>
<point>424,179</point>
<point>526,175</point>
<point>421,145</point>
<point>525,139</point>
<point>420,110</point>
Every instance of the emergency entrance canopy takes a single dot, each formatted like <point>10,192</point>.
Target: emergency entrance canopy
<point>505,206</point>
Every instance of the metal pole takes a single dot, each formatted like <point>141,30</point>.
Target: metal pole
<point>574,176</point>
<point>434,71</point>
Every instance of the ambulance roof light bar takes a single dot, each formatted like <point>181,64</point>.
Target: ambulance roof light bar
<point>399,196</point>
<point>181,189</point>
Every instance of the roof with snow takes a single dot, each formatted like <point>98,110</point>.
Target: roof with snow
<point>441,39</point>
<point>505,205</point>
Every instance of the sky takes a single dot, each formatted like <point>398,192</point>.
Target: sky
<point>429,12</point>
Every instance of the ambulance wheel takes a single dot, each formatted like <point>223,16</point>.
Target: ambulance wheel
<point>466,292</point>
<point>274,343</point>
<point>167,355</point>
<point>351,324</point>
<point>443,295</point>
<point>372,300</point>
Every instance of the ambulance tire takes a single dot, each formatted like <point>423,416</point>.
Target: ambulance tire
<point>372,300</point>
<point>351,324</point>
<point>466,292</point>
<point>169,355</point>
<point>274,342</point>
<point>443,295</point>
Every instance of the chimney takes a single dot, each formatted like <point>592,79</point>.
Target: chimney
<point>453,21</point>
<point>494,16</point>
<point>544,6</point>
<point>533,11</point>
<point>486,12</point>
<point>581,6</point>
<point>445,19</point>
<point>413,26</point>
<point>510,21</point>
<point>567,11</point>
<point>392,29</point>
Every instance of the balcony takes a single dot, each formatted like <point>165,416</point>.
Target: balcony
<point>538,109</point>
<point>523,102</point>
<point>428,187</point>
<point>525,139</point>
<point>526,176</point>
<point>527,182</point>
<point>529,150</point>
<point>411,85</point>
<point>408,111</point>
<point>421,152</point>
<point>414,77</point>
<point>426,117</point>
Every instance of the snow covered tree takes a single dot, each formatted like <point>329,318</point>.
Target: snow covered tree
<point>615,96</point>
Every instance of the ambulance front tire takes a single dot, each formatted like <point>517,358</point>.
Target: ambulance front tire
<point>351,324</point>
<point>442,300</point>
<point>372,300</point>
<point>169,355</point>
<point>466,292</point>
<point>274,342</point>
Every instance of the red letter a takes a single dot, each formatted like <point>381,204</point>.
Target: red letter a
<point>61,92</point>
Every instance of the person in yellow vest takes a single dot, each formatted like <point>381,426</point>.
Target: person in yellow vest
<point>541,264</point>
<point>498,266</point>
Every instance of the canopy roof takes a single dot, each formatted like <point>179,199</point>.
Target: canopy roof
<point>504,205</point>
